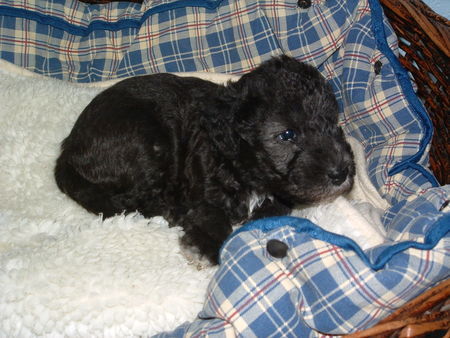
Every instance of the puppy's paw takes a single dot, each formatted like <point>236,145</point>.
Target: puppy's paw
<point>194,258</point>
<point>206,228</point>
<point>199,246</point>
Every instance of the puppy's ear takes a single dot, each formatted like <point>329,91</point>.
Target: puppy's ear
<point>248,102</point>
<point>229,116</point>
<point>218,118</point>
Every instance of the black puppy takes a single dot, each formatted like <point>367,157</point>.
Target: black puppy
<point>207,156</point>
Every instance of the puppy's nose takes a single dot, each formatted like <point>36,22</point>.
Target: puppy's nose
<point>338,176</point>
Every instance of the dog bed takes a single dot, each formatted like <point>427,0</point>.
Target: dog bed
<point>67,273</point>
<point>117,277</point>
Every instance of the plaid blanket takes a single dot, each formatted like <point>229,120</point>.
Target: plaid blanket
<point>325,282</point>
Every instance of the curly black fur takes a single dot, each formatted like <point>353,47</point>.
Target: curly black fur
<point>196,152</point>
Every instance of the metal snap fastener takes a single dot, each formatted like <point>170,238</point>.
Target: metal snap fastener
<point>304,3</point>
<point>277,248</point>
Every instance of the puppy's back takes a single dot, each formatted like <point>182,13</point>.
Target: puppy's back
<point>124,146</point>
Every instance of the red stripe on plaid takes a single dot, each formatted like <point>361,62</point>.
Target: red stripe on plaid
<point>392,183</point>
<point>357,56</point>
<point>254,296</point>
<point>280,5</point>
<point>25,45</point>
<point>235,14</point>
<point>274,8</point>
<point>354,277</point>
<point>72,19</point>
<point>413,288</point>
<point>325,25</point>
<point>30,8</point>
<point>363,10</point>
<point>245,47</point>
<point>379,105</point>
<point>212,301</point>
<point>297,266</point>
<point>149,50</point>
<point>169,30</point>
<point>322,50</point>
<point>117,57</point>
<point>201,55</point>
<point>62,50</point>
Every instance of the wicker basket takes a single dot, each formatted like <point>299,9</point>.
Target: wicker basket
<point>427,315</point>
<point>424,38</point>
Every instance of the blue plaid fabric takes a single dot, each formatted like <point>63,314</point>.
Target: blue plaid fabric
<point>326,283</point>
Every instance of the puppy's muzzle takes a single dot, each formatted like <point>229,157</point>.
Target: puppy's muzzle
<point>338,175</point>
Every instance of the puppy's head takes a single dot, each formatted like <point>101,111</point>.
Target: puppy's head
<point>285,130</point>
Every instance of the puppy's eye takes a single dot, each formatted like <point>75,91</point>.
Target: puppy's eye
<point>287,135</point>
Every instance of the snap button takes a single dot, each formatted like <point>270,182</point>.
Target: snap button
<point>277,248</point>
<point>304,3</point>
<point>377,67</point>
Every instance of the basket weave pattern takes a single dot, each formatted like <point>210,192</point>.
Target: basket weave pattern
<point>424,38</point>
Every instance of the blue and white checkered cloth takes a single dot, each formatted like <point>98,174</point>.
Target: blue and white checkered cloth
<point>326,283</point>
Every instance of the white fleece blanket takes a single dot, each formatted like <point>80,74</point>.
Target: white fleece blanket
<point>65,272</point>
